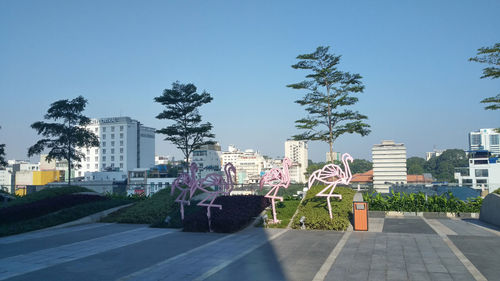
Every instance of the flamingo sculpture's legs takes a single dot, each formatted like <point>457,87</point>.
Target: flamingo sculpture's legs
<point>330,194</point>
<point>212,196</point>
<point>274,190</point>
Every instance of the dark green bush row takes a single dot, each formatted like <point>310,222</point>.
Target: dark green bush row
<point>152,210</point>
<point>237,212</point>
<point>315,210</point>
<point>284,212</point>
<point>417,202</point>
<point>59,217</point>
<point>44,194</point>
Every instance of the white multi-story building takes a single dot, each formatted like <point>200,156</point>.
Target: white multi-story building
<point>297,152</point>
<point>485,139</point>
<point>389,165</point>
<point>125,144</point>
<point>435,153</point>
<point>249,164</point>
<point>336,156</point>
<point>208,159</point>
<point>483,172</point>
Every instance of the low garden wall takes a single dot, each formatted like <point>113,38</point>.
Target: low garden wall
<point>490,210</point>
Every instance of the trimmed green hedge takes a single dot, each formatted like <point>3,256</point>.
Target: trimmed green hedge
<point>152,210</point>
<point>59,217</point>
<point>44,194</point>
<point>284,212</point>
<point>315,210</point>
<point>417,202</point>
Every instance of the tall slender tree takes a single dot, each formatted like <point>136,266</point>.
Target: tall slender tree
<point>490,56</point>
<point>329,96</point>
<point>3,163</point>
<point>181,106</point>
<point>64,137</point>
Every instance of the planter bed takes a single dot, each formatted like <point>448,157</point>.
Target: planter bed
<point>237,212</point>
<point>45,206</point>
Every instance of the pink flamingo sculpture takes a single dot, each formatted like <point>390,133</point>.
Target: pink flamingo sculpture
<point>215,179</point>
<point>327,174</point>
<point>276,178</point>
<point>185,179</point>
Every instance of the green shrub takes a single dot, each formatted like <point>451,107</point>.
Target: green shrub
<point>46,193</point>
<point>315,210</point>
<point>497,191</point>
<point>59,217</point>
<point>418,202</point>
<point>284,212</point>
<point>152,210</point>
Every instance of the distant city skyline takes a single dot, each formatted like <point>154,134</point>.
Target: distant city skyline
<point>421,90</point>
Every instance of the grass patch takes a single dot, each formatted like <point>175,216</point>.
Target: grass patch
<point>152,210</point>
<point>44,194</point>
<point>61,216</point>
<point>315,210</point>
<point>284,212</point>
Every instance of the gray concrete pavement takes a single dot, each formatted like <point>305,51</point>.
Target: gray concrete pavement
<point>393,249</point>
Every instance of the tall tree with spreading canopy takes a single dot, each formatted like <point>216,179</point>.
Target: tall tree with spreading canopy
<point>3,163</point>
<point>329,96</point>
<point>181,106</point>
<point>64,136</point>
<point>490,56</point>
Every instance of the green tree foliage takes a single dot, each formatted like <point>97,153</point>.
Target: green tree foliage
<point>360,166</point>
<point>490,56</point>
<point>443,167</point>
<point>64,136</point>
<point>181,106</point>
<point>329,96</point>
<point>3,163</point>
<point>415,165</point>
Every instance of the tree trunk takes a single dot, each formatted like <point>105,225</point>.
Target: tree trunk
<point>69,171</point>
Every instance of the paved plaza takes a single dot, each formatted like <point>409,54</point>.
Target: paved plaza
<point>409,248</point>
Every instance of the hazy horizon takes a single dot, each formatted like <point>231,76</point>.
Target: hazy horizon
<point>421,90</point>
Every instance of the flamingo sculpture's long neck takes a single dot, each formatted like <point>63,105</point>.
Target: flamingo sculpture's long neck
<point>347,169</point>
<point>286,174</point>
<point>229,178</point>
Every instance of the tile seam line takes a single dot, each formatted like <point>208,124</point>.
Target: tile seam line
<point>497,233</point>
<point>37,234</point>
<point>476,274</point>
<point>223,265</point>
<point>164,262</point>
<point>330,260</point>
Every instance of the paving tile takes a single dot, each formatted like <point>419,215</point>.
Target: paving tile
<point>438,276</point>
<point>419,276</point>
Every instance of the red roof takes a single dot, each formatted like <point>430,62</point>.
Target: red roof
<point>365,177</point>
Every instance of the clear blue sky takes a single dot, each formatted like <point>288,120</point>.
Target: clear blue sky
<point>413,55</point>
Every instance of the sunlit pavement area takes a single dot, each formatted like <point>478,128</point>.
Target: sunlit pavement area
<point>409,248</point>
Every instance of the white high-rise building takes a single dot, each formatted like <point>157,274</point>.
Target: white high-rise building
<point>336,156</point>
<point>125,144</point>
<point>249,164</point>
<point>297,152</point>
<point>208,159</point>
<point>485,139</point>
<point>389,165</point>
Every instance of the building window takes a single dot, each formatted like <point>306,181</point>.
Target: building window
<point>88,166</point>
<point>121,135</point>
<point>97,166</point>
<point>112,136</point>
<point>112,151</point>
<point>494,139</point>
<point>88,151</point>
<point>475,139</point>
<point>96,130</point>
<point>112,143</point>
<point>121,150</point>
<point>88,159</point>
<point>121,143</point>
<point>121,128</point>
<point>104,166</point>
<point>121,165</point>
<point>112,165</point>
<point>103,129</point>
<point>112,128</point>
<point>481,172</point>
<point>103,143</point>
<point>112,158</point>
<point>97,151</point>
<point>104,151</point>
<point>103,136</point>
<point>121,157</point>
<point>104,159</point>
<point>97,159</point>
